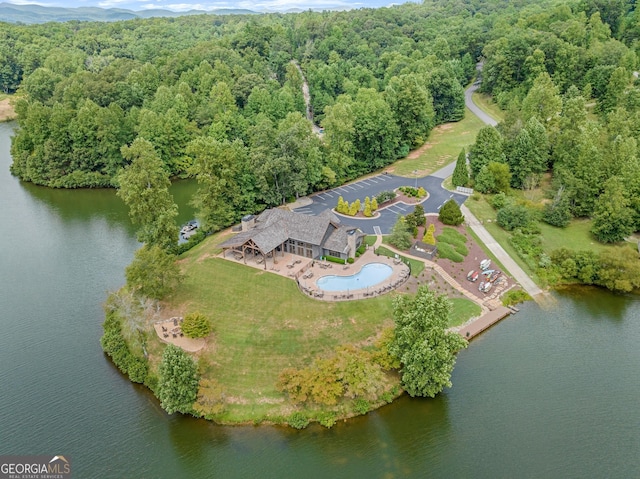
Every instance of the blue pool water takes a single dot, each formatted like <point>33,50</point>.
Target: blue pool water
<point>370,274</point>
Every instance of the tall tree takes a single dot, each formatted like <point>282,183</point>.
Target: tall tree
<point>144,187</point>
<point>487,148</point>
<point>460,175</point>
<point>178,384</point>
<point>612,218</point>
<point>427,351</point>
<point>377,136</point>
<point>412,107</point>
<point>153,272</point>
<point>218,166</point>
<point>543,101</point>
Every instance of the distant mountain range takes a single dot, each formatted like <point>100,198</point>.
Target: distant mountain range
<point>38,14</point>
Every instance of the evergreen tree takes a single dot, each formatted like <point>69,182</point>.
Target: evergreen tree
<point>429,236</point>
<point>401,235</point>
<point>461,172</point>
<point>487,148</point>
<point>450,213</point>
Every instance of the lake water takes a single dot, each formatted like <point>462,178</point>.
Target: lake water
<point>545,393</point>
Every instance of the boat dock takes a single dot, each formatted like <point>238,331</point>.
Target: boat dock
<point>484,322</point>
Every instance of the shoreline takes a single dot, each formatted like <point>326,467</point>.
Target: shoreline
<point>7,112</point>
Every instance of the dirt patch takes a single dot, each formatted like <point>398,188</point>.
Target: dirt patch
<point>416,153</point>
<point>7,111</point>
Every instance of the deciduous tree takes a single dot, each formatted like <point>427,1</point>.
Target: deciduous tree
<point>144,187</point>
<point>427,351</point>
<point>178,384</point>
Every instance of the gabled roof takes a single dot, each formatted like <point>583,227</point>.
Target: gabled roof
<point>273,227</point>
<point>337,241</point>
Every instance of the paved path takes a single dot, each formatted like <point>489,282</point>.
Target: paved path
<point>474,108</point>
<point>510,265</point>
<point>516,271</point>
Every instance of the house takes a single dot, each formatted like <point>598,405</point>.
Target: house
<point>281,231</point>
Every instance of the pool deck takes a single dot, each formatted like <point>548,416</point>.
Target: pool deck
<point>306,271</point>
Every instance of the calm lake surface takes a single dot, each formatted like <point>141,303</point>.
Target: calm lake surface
<point>546,393</point>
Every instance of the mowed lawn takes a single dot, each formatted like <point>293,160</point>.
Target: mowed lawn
<point>263,324</point>
<point>442,148</point>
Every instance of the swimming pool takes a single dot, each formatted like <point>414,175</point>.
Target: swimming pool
<point>369,275</point>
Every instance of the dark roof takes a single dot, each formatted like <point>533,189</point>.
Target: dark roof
<point>274,226</point>
<point>337,241</point>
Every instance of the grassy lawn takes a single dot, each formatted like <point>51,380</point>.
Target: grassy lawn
<point>370,239</point>
<point>484,212</point>
<point>463,310</point>
<point>263,324</point>
<point>576,236</point>
<point>416,265</point>
<point>485,103</point>
<point>443,147</point>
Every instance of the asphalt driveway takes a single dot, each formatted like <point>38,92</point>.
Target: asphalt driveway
<point>372,186</point>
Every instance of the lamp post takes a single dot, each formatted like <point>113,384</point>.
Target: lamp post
<point>415,173</point>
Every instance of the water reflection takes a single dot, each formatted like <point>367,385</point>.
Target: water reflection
<point>603,305</point>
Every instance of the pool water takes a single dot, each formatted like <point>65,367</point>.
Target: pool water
<point>370,274</point>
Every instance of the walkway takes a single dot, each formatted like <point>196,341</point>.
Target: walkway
<point>509,264</point>
<point>516,271</point>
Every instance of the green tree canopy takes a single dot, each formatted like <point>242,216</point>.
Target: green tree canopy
<point>461,172</point>
<point>401,235</point>
<point>196,325</point>
<point>153,272</point>
<point>612,218</point>
<point>450,213</point>
<point>487,148</point>
<point>178,383</point>
<point>144,187</point>
<point>427,351</point>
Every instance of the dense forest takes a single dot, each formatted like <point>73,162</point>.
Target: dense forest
<point>219,98</point>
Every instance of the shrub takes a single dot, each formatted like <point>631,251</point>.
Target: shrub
<point>334,259</point>
<point>450,213</point>
<point>350,260</point>
<point>196,325</point>
<point>327,419</point>
<point>429,237</point>
<point>422,192</point>
<point>498,200</point>
<point>515,296</point>
<point>514,216</point>
<point>374,204</point>
<point>298,420</point>
<point>445,250</point>
<point>384,196</point>
<point>114,345</point>
<point>361,406</point>
<point>193,240</point>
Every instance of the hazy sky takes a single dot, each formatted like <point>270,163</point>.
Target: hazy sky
<point>181,5</point>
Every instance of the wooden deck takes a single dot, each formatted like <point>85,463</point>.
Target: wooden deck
<point>469,331</point>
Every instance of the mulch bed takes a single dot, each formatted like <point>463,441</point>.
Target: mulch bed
<point>457,271</point>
